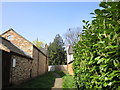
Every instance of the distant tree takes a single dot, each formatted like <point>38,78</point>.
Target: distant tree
<point>72,35</point>
<point>56,52</point>
<point>38,44</point>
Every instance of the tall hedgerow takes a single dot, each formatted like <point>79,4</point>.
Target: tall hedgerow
<point>97,54</point>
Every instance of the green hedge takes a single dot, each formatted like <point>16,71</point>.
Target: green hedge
<point>97,54</point>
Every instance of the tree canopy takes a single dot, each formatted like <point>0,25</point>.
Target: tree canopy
<point>56,52</point>
<point>38,44</point>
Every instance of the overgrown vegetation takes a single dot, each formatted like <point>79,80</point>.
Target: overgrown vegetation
<point>97,54</point>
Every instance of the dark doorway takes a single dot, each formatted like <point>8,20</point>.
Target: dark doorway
<point>6,61</point>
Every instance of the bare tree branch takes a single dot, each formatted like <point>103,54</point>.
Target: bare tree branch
<point>72,35</point>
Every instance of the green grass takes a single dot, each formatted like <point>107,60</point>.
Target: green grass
<point>45,81</point>
<point>68,82</point>
<point>61,73</point>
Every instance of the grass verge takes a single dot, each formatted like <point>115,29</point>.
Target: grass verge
<point>68,82</point>
<point>45,81</point>
<point>61,73</point>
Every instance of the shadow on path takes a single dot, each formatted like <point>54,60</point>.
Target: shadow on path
<point>58,81</point>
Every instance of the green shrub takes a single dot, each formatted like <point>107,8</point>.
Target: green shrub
<point>97,54</point>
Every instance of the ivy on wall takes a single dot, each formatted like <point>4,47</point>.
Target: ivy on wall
<point>97,54</point>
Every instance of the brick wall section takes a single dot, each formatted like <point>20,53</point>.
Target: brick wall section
<point>19,41</point>
<point>21,72</point>
<point>69,68</point>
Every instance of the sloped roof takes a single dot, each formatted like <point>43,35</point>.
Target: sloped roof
<point>13,48</point>
<point>40,49</point>
<point>16,33</point>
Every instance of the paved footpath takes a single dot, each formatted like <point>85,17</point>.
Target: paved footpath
<point>58,82</point>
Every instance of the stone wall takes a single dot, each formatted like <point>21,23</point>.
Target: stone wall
<point>25,68</point>
<point>35,63</point>
<point>70,69</point>
<point>39,64</point>
<point>58,68</point>
<point>21,71</point>
<point>42,64</point>
<point>19,41</point>
<point>67,68</point>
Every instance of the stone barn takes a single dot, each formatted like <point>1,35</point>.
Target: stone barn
<point>35,58</point>
<point>16,64</point>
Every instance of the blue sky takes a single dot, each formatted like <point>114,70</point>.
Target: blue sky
<point>45,19</point>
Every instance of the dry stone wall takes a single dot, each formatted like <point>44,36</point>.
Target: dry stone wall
<point>21,71</point>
